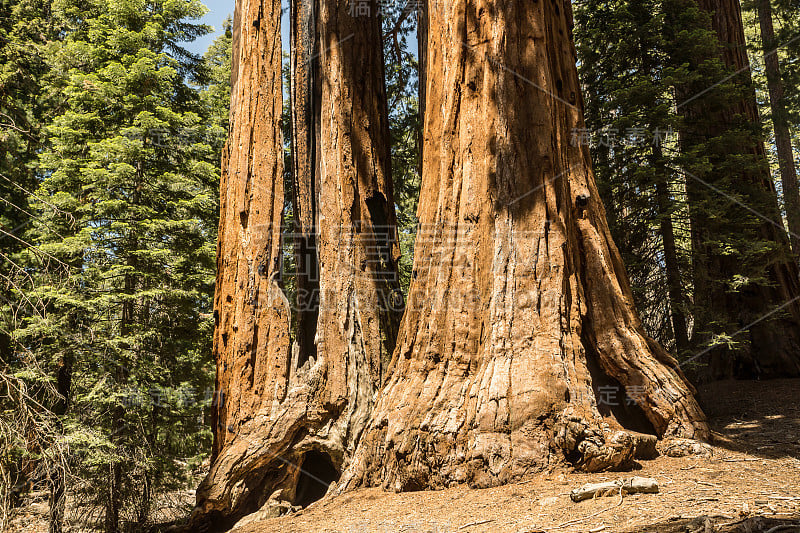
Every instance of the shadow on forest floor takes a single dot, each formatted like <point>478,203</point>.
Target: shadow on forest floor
<point>760,418</point>
<point>722,524</point>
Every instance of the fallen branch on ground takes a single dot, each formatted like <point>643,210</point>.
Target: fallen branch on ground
<point>628,486</point>
<point>577,520</point>
<point>479,522</point>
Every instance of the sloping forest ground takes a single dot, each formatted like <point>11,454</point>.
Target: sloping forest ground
<point>750,483</point>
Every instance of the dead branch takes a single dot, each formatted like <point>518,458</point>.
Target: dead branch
<point>628,486</point>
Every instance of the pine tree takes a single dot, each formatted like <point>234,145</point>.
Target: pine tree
<point>26,30</point>
<point>24,36</point>
<point>29,451</point>
<point>131,161</point>
<point>216,95</point>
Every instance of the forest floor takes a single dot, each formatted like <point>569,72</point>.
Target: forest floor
<point>751,483</point>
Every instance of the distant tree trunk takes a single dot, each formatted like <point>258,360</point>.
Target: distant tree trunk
<point>58,489</point>
<point>280,413</point>
<point>763,316</point>
<point>114,499</point>
<point>520,339</point>
<point>671,263</point>
<point>783,139</point>
<point>422,69</point>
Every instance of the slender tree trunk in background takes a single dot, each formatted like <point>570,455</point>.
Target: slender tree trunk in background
<point>114,501</point>
<point>283,410</point>
<point>765,315</point>
<point>606,190</point>
<point>671,264</point>
<point>783,138</point>
<point>520,315</point>
<point>115,497</point>
<point>58,489</point>
<point>64,374</point>
<point>304,176</point>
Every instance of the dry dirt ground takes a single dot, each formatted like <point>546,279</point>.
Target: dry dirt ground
<point>750,484</point>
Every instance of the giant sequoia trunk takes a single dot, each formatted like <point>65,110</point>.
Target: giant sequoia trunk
<point>762,316</point>
<point>279,408</point>
<point>520,346</point>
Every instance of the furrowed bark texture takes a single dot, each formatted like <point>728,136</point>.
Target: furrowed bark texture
<point>282,409</point>
<point>520,314</point>
<point>764,314</point>
<point>250,309</point>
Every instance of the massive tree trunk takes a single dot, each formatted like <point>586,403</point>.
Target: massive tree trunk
<point>733,204</point>
<point>783,139</point>
<point>249,309</point>
<point>520,341</point>
<point>282,409</point>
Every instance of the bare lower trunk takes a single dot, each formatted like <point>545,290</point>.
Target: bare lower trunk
<point>783,139</point>
<point>58,488</point>
<point>674,282</point>
<point>290,420</point>
<point>113,504</point>
<point>520,346</point>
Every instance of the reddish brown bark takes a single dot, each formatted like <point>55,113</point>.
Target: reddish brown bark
<point>251,338</point>
<point>283,409</point>
<point>520,314</point>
